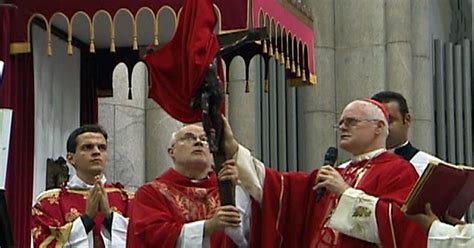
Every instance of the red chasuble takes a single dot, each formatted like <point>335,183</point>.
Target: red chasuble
<point>292,218</point>
<point>57,209</point>
<point>163,206</point>
<point>284,203</point>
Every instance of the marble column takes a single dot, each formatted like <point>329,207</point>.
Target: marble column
<point>317,104</point>
<point>124,120</point>
<point>241,104</point>
<point>159,127</point>
<point>398,40</point>
<point>422,101</point>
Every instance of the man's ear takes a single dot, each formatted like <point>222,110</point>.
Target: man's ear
<point>380,126</point>
<point>70,158</point>
<point>407,119</point>
<point>171,152</point>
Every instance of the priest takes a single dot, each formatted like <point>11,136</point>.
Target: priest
<point>361,207</point>
<point>451,232</point>
<point>181,208</point>
<point>87,211</point>
<point>399,124</point>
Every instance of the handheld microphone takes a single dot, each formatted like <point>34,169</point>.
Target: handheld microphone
<point>329,159</point>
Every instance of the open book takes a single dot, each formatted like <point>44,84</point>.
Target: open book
<point>446,187</point>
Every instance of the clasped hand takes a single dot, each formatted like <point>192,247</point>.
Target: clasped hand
<point>97,200</point>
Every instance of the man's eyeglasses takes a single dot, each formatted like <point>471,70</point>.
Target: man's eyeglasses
<point>191,138</point>
<point>352,122</point>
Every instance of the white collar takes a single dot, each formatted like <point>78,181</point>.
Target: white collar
<point>77,183</point>
<point>402,145</point>
<point>198,180</point>
<point>368,155</point>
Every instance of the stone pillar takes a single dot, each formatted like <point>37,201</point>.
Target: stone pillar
<point>422,101</point>
<point>398,57</point>
<point>159,127</point>
<point>241,104</point>
<point>124,120</point>
<point>360,50</point>
<point>317,104</point>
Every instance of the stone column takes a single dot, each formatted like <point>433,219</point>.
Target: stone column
<point>398,40</point>
<point>159,127</point>
<point>360,50</point>
<point>317,104</point>
<point>422,101</point>
<point>124,120</point>
<point>241,104</point>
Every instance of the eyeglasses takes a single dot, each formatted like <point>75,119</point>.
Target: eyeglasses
<point>351,122</point>
<point>191,138</point>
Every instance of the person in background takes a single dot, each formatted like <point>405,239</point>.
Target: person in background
<point>87,211</point>
<point>399,124</point>
<point>451,232</point>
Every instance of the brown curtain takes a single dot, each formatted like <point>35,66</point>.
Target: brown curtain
<point>17,93</point>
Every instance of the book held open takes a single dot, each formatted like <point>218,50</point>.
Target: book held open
<point>448,188</point>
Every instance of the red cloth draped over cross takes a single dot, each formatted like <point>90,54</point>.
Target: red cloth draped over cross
<point>177,70</point>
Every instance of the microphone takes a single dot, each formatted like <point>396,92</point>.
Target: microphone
<point>329,159</point>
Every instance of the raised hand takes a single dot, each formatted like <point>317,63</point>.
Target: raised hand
<point>229,143</point>
<point>225,216</point>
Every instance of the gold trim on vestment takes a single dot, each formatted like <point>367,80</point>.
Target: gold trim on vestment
<point>60,234</point>
<point>280,206</point>
<point>392,229</point>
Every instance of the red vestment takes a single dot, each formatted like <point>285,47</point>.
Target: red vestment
<point>292,218</point>
<point>163,206</point>
<point>57,209</point>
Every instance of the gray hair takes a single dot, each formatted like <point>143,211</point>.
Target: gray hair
<point>375,113</point>
<point>172,140</point>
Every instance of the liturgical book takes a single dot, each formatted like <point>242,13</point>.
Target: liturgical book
<point>446,187</point>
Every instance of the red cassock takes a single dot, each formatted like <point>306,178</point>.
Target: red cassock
<point>57,209</point>
<point>292,218</point>
<point>163,206</point>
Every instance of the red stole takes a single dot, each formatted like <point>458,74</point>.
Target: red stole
<point>98,220</point>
